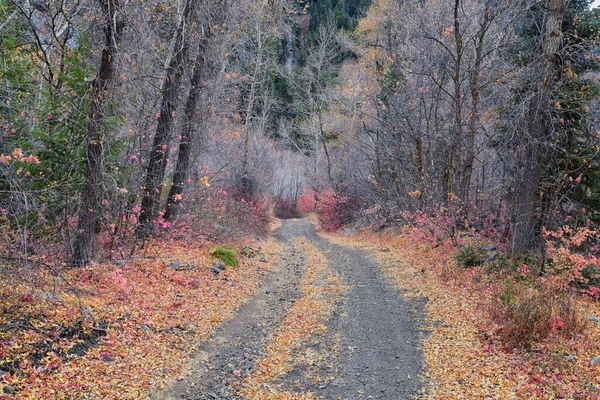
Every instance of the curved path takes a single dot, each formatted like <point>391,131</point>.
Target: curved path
<point>369,351</point>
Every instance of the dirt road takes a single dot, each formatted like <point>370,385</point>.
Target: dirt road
<point>368,347</point>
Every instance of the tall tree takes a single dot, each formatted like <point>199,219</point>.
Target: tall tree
<point>153,183</point>
<point>187,134</point>
<point>88,224</point>
<point>527,223</point>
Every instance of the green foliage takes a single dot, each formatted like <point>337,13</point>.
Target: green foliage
<point>512,262</point>
<point>391,81</point>
<point>228,256</point>
<point>591,275</point>
<point>346,13</point>
<point>471,256</point>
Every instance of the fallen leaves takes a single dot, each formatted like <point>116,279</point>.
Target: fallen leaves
<point>462,362</point>
<point>119,332</point>
<point>306,318</point>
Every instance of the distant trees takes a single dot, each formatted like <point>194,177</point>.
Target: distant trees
<point>122,119</point>
<point>468,109</point>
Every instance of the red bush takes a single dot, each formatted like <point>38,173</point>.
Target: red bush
<point>335,209</point>
<point>286,209</point>
<point>306,203</point>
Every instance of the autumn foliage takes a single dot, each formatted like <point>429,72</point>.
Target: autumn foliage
<point>495,332</point>
<point>103,331</point>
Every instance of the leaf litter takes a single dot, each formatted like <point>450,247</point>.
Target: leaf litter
<point>463,361</point>
<point>120,331</point>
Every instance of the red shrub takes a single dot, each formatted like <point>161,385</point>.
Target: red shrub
<point>306,203</point>
<point>335,209</point>
<point>286,209</point>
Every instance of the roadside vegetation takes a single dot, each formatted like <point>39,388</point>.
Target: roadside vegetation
<point>146,147</point>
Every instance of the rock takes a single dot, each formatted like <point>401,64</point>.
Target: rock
<point>249,252</point>
<point>120,263</point>
<point>191,266</point>
<point>386,250</point>
<point>490,247</point>
<point>8,389</point>
<point>169,255</point>
<point>218,267</point>
<point>593,318</point>
<point>175,265</point>
<point>596,360</point>
<point>492,256</point>
<point>349,232</point>
<point>319,282</point>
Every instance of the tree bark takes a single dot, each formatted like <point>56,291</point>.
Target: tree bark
<point>467,168</point>
<point>527,223</point>
<point>452,162</point>
<point>155,173</point>
<point>183,157</point>
<point>88,224</point>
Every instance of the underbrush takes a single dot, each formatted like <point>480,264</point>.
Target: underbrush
<point>102,331</point>
<point>287,209</point>
<point>510,327</point>
<point>525,314</point>
<point>333,207</point>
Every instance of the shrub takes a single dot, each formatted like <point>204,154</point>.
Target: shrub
<point>306,203</point>
<point>527,315</point>
<point>471,256</point>
<point>575,256</point>
<point>286,209</point>
<point>435,227</point>
<point>335,209</point>
<point>226,255</point>
<point>516,263</point>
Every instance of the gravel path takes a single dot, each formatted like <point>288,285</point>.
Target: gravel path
<point>371,349</point>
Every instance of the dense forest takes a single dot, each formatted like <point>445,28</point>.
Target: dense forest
<point>127,123</point>
<point>122,118</point>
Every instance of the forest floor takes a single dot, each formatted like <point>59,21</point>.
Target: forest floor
<point>306,315</point>
<point>326,324</point>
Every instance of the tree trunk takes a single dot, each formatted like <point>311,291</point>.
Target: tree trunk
<point>325,149</point>
<point>452,162</point>
<point>467,168</point>
<point>155,173</point>
<point>527,223</point>
<point>88,224</point>
<point>183,157</point>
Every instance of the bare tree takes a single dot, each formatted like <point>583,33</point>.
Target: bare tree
<point>527,223</point>
<point>153,183</point>
<point>187,134</point>
<point>88,224</point>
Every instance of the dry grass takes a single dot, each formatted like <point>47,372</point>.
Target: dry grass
<point>528,315</point>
